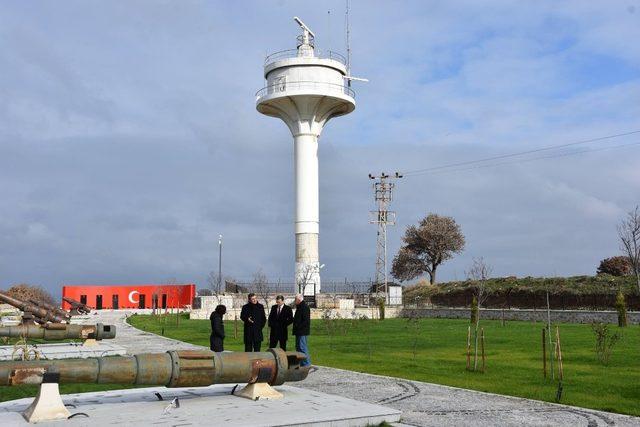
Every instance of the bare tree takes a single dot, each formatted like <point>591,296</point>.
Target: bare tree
<point>216,284</point>
<point>629,233</point>
<point>306,276</point>
<point>426,246</point>
<point>478,273</point>
<point>260,286</point>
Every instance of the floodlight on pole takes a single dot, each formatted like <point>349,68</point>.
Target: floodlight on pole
<point>219,262</point>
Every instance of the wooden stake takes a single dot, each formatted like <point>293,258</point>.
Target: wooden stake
<point>235,327</point>
<point>544,352</point>
<point>559,350</point>
<point>482,346</point>
<point>469,348</point>
<point>553,372</point>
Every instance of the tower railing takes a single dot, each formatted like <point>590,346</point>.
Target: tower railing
<point>286,86</point>
<point>293,53</point>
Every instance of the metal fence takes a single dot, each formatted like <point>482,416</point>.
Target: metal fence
<point>363,292</point>
<point>317,53</point>
<point>289,286</point>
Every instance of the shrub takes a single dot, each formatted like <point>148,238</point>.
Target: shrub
<point>25,292</point>
<point>474,310</point>
<point>605,341</point>
<point>615,266</point>
<point>621,307</point>
<point>594,292</point>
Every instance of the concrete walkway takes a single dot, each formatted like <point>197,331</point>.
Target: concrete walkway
<point>135,340</point>
<point>422,404</point>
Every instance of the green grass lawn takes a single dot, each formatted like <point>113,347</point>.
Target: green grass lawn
<point>386,347</point>
<point>513,352</point>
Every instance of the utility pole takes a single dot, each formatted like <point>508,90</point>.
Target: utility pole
<point>383,195</point>
<point>220,263</point>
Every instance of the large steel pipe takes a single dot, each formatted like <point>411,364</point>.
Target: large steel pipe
<point>187,368</point>
<point>60,331</point>
<point>37,311</point>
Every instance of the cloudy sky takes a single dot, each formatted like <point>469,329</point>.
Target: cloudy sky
<point>129,138</point>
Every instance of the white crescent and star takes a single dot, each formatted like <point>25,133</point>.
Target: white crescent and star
<point>131,294</point>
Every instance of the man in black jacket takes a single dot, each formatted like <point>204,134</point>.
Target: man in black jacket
<point>280,317</point>
<point>254,319</point>
<point>302,328</point>
<point>216,340</point>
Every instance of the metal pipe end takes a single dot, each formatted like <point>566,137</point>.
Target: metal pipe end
<point>105,332</point>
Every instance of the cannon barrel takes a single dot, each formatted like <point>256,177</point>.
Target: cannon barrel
<point>77,305</point>
<point>35,310</point>
<point>186,368</point>
<point>60,331</point>
<point>51,308</point>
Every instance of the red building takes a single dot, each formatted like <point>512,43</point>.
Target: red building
<point>130,296</point>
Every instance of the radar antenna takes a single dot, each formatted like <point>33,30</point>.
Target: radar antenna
<point>307,35</point>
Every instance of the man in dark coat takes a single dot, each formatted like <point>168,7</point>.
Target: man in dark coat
<point>216,340</point>
<point>254,319</point>
<point>302,328</point>
<point>280,317</point>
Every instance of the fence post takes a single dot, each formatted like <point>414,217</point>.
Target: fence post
<point>560,372</point>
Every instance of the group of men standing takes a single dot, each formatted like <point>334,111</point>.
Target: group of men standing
<point>280,317</point>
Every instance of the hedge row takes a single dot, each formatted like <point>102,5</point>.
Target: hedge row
<point>565,293</point>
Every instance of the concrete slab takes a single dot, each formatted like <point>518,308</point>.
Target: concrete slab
<point>67,350</point>
<point>206,406</point>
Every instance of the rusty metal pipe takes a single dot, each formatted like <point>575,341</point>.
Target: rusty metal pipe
<point>187,368</point>
<point>51,308</point>
<point>79,307</point>
<point>36,310</point>
<point>60,331</point>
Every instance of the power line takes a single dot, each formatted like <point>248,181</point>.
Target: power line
<point>552,156</point>
<point>522,153</point>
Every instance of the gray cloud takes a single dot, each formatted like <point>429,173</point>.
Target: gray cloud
<point>129,138</point>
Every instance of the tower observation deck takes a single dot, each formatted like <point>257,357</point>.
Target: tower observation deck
<point>305,88</point>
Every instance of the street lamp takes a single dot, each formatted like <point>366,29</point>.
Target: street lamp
<point>219,262</point>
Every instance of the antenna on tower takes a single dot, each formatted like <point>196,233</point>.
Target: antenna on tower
<point>349,78</point>
<point>348,38</point>
<point>329,29</point>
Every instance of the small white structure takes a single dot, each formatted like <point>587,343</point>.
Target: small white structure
<point>346,304</point>
<point>395,294</point>
<point>305,89</point>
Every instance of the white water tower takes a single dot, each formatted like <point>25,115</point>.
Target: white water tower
<point>305,88</point>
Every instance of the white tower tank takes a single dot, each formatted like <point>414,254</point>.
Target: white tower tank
<point>305,88</point>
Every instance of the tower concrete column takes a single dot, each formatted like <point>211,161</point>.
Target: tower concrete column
<point>307,222</point>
